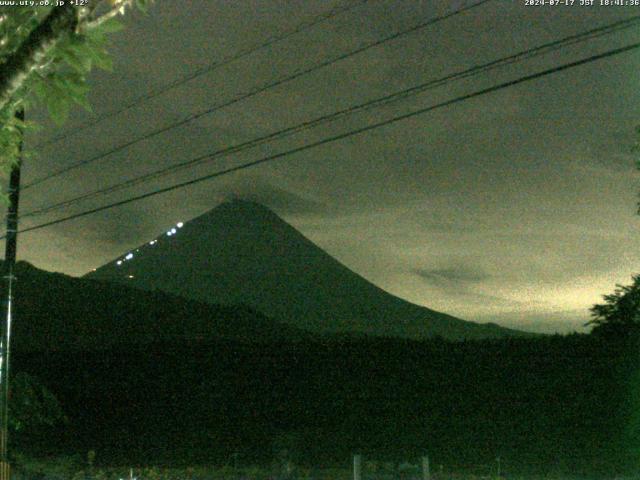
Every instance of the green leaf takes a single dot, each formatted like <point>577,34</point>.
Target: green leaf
<point>39,87</point>
<point>80,63</point>
<point>110,26</point>
<point>96,37</point>
<point>82,100</point>
<point>58,108</point>
<point>77,53</point>
<point>142,5</point>
<point>71,82</point>
<point>95,50</point>
<point>102,60</point>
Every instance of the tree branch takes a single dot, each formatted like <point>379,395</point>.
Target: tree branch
<point>20,64</point>
<point>119,9</point>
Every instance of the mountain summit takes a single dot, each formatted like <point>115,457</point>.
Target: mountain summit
<point>243,253</point>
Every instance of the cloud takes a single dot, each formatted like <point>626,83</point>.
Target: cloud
<point>464,282</point>
<point>452,275</point>
<point>612,154</point>
<point>281,200</point>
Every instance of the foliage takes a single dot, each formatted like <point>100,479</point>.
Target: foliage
<point>635,149</point>
<point>71,467</point>
<point>57,468</point>
<point>33,407</point>
<point>549,403</point>
<point>620,312</point>
<point>52,73</point>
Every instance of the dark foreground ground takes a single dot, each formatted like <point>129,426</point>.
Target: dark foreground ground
<point>545,406</point>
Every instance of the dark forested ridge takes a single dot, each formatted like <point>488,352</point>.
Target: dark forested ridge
<point>553,404</point>
<point>58,312</point>
<point>150,378</point>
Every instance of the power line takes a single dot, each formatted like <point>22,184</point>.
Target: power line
<point>469,72</point>
<point>252,93</point>
<point>207,69</point>
<point>341,136</point>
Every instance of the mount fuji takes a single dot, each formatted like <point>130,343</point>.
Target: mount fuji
<point>241,252</point>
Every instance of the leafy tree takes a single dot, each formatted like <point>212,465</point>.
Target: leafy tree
<point>45,56</point>
<point>33,406</point>
<point>635,149</point>
<point>620,312</point>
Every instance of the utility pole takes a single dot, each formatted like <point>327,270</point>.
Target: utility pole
<point>357,467</point>
<point>9,278</point>
<point>426,471</point>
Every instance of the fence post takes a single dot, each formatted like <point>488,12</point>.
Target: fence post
<point>426,473</point>
<point>357,467</point>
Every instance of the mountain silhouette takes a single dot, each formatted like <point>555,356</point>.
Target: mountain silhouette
<point>241,252</point>
<point>58,312</point>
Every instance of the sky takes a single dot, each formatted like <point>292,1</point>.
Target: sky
<point>517,207</point>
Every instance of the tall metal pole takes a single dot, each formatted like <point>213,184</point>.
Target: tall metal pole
<point>9,278</point>
<point>426,471</point>
<point>357,467</point>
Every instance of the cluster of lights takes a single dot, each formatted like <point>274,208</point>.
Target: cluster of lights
<point>173,231</point>
<point>129,255</point>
